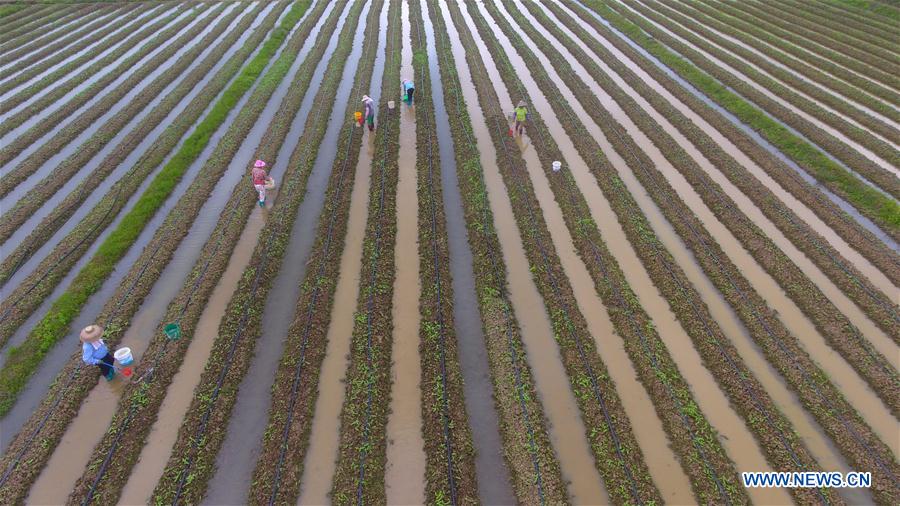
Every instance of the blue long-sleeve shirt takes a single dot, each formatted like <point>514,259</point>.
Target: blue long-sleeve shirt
<point>407,85</point>
<point>92,356</point>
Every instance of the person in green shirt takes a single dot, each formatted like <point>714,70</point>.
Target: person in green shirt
<point>521,114</point>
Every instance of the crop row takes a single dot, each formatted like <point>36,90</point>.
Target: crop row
<point>449,451</point>
<point>617,455</point>
<point>39,283</point>
<point>870,247</point>
<point>281,462</point>
<point>40,62</point>
<point>870,202</point>
<point>62,402</point>
<point>13,38</point>
<point>881,176</point>
<point>818,12</point>
<point>75,163</point>
<point>359,473</point>
<point>44,46</point>
<point>25,358</point>
<point>823,400</point>
<point>87,117</point>
<point>813,43</point>
<point>774,433</point>
<point>838,331</point>
<point>71,64</point>
<point>742,31</point>
<point>192,463</point>
<point>11,13</point>
<point>534,469</point>
<point>875,20</point>
<point>692,437</point>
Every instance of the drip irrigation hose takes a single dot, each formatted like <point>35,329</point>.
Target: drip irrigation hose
<point>793,360</point>
<point>503,291</point>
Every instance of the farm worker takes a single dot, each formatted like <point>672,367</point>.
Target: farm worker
<point>95,352</point>
<point>259,180</point>
<point>369,112</point>
<point>408,90</point>
<point>521,114</point>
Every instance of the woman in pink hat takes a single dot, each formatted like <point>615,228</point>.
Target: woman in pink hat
<point>95,352</point>
<point>259,180</point>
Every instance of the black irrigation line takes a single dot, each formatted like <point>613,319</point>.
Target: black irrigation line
<point>573,335</point>
<point>806,375</point>
<point>323,260</point>
<point>503,292</point>
<point>445,405</point>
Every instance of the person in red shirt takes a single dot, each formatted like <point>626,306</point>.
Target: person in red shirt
<point>258,173</point>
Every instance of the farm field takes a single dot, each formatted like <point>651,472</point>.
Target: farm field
<point>685,266</point>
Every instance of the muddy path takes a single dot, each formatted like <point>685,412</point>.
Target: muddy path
<point>566,428</point>
<point>493,476</point>
<point>406,448</point>
<point>238,455</point>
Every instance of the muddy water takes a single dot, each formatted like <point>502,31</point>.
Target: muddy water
<point>315,484</point>
<point>847,251</point>
<point>567,431</point>
<point>404,474</point>
<point>130,161</point>
<point>490,467</point>
<point>664,467</point>
<point>880,340</point>
<point>814,121</point>
<point>237,457</point>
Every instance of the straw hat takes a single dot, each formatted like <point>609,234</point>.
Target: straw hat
<point>91,333</point>
<point>259,164</point>
<point>366,98</point>
<point>521,103</point>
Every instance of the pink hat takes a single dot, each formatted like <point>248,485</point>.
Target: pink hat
<point>259,164</point>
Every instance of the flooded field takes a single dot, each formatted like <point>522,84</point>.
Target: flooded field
<point>604,252</point>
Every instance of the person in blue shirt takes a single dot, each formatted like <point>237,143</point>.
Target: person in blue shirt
<point>95,352</point>
<point>408,90</point>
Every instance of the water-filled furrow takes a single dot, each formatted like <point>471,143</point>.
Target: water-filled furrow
<point>739,444</point>
<point>826,128</point>
<point>238,455</point>
<point>491,471</point>
<point>567,431</point>
<point>880,340</point>
<point>844,206</point>
<point>89,130</point>
<point>405,470</point>
<point>84,206</point>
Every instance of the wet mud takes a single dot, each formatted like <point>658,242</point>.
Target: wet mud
<point>567,431</point>
<point>404,473</point>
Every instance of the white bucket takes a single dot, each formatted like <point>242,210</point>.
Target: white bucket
<point>390,104</point>
<point>270,183</point>
<point>557,166</point>
<point>123,356</point>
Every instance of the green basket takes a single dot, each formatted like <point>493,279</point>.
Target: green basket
<point>173,331</point>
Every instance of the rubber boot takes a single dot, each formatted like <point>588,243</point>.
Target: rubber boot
<point>111,375</point>
<point>262,203</point>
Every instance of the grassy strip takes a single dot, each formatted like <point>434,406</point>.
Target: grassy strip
<point>282,457</point>
<point>24,359</point>
<point>118,311</point>
<point>443,406</point>
<point>189,469</point>
<point>818,64</point>
<point>69,66</point>
<point>51,43</point>
<point>874,12</point>
<point>837,329</point>
<point>801,38</point>
<point>824,14</point>
<point>864,241</point>
<point>92,114</point>
<point>617,455</point>
<point>879,175</point>
<point>11,39</point>
<point>359,473</point>
<point>712,473</point>
<point>40,282</point>
<point>783,447</point>
<point>763,42</point>
<point>534,469</point>
<point>870,202</point>
<point>71,166</point>
<point>13,13</point>
<point>822,399</point>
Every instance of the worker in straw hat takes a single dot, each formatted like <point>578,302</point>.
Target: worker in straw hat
<point>95,352</point>
<point>369,113</point>
<point>521,115</point>
<point>258,173</point>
